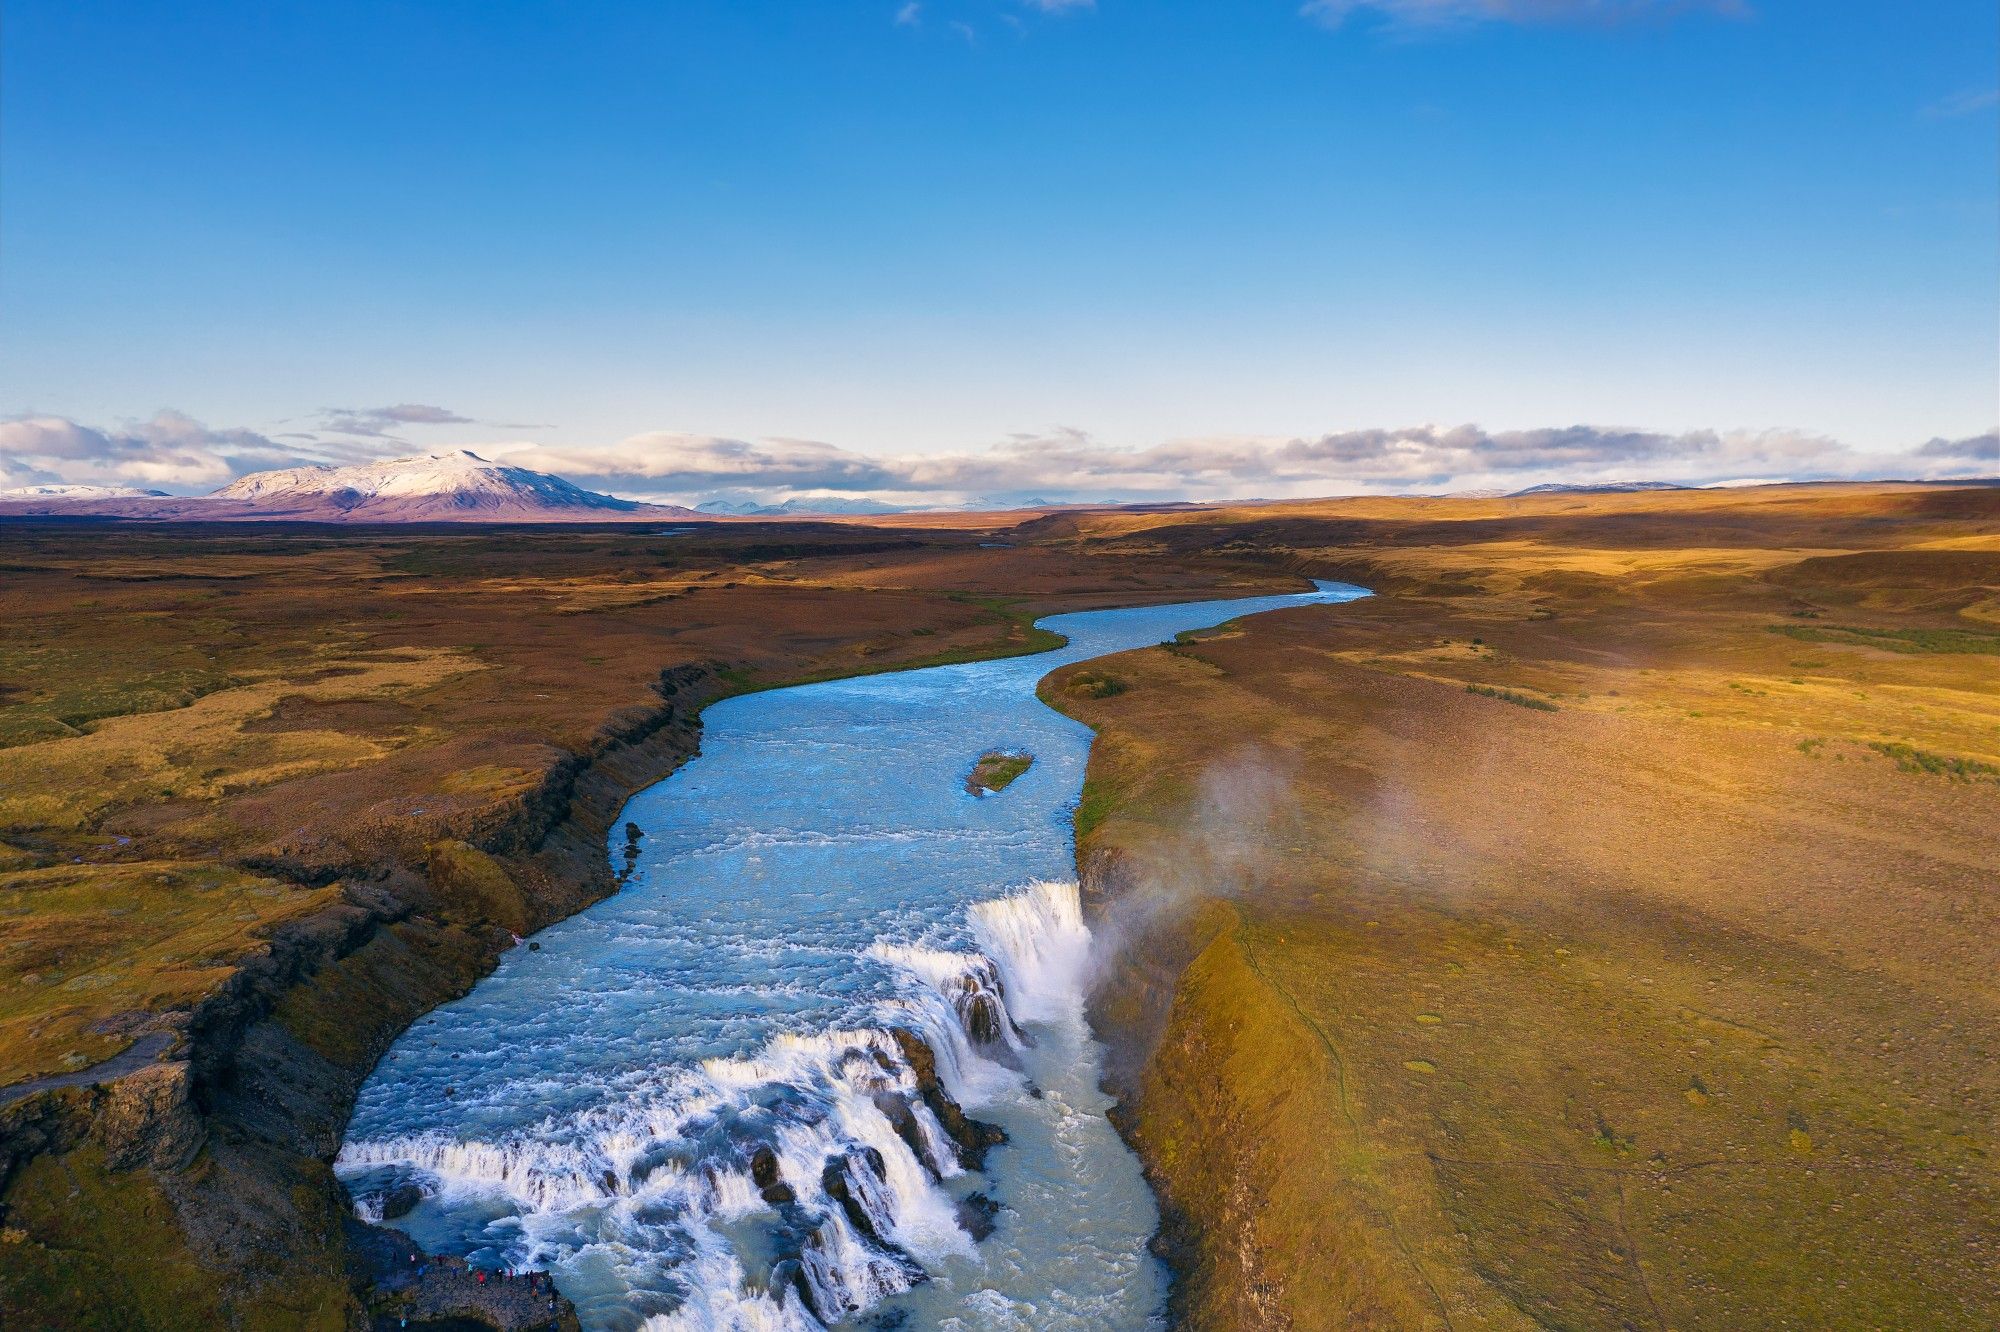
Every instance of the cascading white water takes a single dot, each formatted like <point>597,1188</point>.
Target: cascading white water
<point>704,1103</point>
<point>1038,938</point>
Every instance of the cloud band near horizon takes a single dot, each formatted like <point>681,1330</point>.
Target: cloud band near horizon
<point>176,451</point>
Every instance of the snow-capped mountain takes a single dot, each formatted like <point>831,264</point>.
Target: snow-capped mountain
<point>429,487</point>
<point>60,491</point>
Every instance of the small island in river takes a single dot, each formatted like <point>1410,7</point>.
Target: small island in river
<point>996,770</point>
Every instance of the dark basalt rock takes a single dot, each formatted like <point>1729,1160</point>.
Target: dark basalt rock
<point>980,1000</point>
<point>790,1275</point>
<point>788,1280</point>
<point>902,1117</point>
<point>409,1288</point>
<point>401,1201</point>
<point>852,1180</point>
<point>985,1020</point>
<point>841,1184</point>
<point>975,1215</point>
<point>770,1183</point>
<point>971,1136</point>
<point>632,835</point>
<point>148,1118</point>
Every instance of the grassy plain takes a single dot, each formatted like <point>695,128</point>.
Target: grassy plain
<point>1598,929</point>
<point>1594,930</point>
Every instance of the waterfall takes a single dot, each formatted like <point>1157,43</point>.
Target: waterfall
<point>1038,938</point>
<point>849,1147</point>
<point>801,876</point>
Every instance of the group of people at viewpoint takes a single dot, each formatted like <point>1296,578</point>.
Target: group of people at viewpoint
<point>539,1283</point>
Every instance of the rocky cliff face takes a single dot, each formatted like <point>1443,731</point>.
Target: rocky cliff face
<point>190,1187</point>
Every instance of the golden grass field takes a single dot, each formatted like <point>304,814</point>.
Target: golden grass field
<point>1598,929</point>
<point>1595,929</point>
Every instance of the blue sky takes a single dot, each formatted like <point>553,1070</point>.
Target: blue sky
<point>973,247</point>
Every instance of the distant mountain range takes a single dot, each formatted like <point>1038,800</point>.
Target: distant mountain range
<point>458,487</point>
<point>805,506</point>
<point>462,487</point>
<point>793,508</point>
<point>454,487</point>
<point>1597,488</point>
<point>74,492</point>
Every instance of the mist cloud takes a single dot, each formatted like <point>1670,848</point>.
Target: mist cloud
<point>1226,841</point>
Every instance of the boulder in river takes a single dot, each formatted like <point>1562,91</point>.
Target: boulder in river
<point>975,1215</point>
<point>764,1173</point>
<point>394,1203</point>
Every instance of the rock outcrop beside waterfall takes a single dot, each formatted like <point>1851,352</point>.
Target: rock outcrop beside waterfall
<point>228,1123</point>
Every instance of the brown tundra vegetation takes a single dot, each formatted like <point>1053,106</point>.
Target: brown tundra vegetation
<point>1597,929</point>
<point>1594,929</point>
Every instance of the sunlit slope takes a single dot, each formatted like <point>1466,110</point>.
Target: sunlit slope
<point>1591,933</point>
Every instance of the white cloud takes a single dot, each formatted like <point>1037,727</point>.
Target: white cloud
<point>1963,103</point>
<point>170,449</point>
<point>909,15</point>
<point>674,461</point>
<point>1446,13</point>
<point>1980,451</point>
<point>175,451</point>
<point>381,422</point>
<point>1069,464</point>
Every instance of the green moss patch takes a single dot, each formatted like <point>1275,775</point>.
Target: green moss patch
<point>471,885</point>
<point>1894,640</point>
<point>1519,700</point>
<point>1908,758</point>
<point>1094,684</point>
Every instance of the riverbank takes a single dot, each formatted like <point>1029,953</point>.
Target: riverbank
<point>270,797</point>
<point>1663,1002</point>
<point>709,1096</point>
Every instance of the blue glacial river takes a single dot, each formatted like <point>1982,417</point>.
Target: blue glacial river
<point>725,1098</point>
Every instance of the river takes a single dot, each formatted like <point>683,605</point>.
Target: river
<point>691,1102</point>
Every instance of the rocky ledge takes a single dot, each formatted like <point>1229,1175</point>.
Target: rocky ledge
<point>187,1182</point>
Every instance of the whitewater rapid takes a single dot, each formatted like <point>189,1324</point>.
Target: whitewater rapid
<point>824,1059</point>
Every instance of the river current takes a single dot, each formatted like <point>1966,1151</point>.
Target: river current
<point>708,1101</point>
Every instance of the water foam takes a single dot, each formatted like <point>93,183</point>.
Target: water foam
<point>816,1101</point>
<point>1038,938</point>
